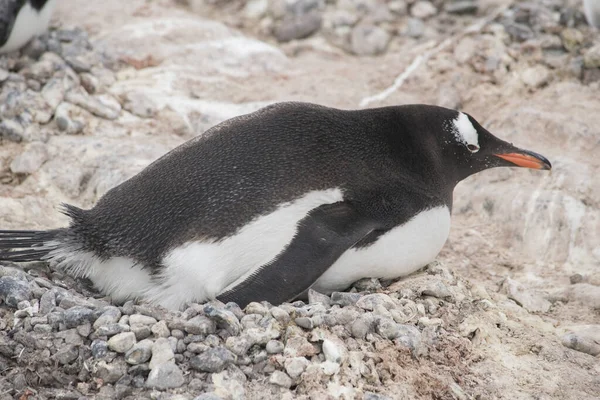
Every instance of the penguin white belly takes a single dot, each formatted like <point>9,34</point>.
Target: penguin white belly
<point>201,270</point>
<point>28,24</point>
<point>399,252</point>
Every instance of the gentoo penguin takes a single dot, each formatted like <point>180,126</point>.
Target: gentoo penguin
<point>591,9</point>
<point>266,205</point>
<point>21,20</point>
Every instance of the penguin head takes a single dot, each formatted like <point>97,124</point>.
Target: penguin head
<point>470,148</point>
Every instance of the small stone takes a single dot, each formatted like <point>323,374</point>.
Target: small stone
<point>415,28</point>
<point>70,118</point>
<point>280,315</point>
<point>423,10</point>
<point>138,319</point>
<point>141,331</point>
<point>111,329</point>
<point>524,298</point>
<point>200,325</point>
<point>304,322</point>
<point>591,58</point>
<point>370,301</point>
<point>11,130</point>
<point>213,360</point>
<point>78,63</point>
<point>256,9</point>
<point>3,74</point>
<point>47,302</point>
<point>42,328</point>
<point>84,329</point>
<point>298,27</point>
<point>139,353</point>
<point>162,353</point>
<point>13,291</point>
<point>330,368</point>
<point>197,347</point>
<point>315,297</point>
<point>109,316</point>
<point>110,373</point>
<point>122,342</point>
<point>584,340</point>
<point>409,336</point>
<point>436,289</point>
<point>224,318</point>
<point>461,7</point>
<point>238,345</point>
<point>334,351</point>
<point>99,105</point>
<point>345,298</point>
<point>66,355</point>
<point>368,40</point>
<point>298,346</point>
<point>160,330</point>
<point>572,39</point>
<point>361,326</point>
<point>34,156</point>
<point>165,376</point>
<point>280,378</point>
<point>75,316</point>
<point>375,396</point>
<point>387,328</point>
<point>274,347</point>
<point>99,348</point>
<point>536,77</point>
<point>295,366</point>
<point>140,104</point>
<point>208,396</point>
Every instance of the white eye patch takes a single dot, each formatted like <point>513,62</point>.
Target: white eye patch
<point>465,132</point>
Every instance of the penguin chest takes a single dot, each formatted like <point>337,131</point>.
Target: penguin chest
<point>399,252</point>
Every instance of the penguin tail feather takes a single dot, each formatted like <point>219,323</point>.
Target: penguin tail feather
<point>25,246</point>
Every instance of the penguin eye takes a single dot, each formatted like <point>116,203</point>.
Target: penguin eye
<point>473,148</point>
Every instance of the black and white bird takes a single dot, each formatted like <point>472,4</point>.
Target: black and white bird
<point>266,205</point>
<point>22,20</point>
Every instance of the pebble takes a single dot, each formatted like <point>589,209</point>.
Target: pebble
<point>160,330</point>
<point>280,315</point>
<point>280,378</point>
<point>77,315</point>
<point>138,319</point>
<point>369,40</point>
<point>200,325</point>
<point>274,347</point>
<point>345,298</point>
<point>423,10</point>
<point>139,353</point>
<point>162,352</point>
<point>295,366</point>
<point>66,355</point>
<point>298,346</point>
<point>461,7</point>
<point>536,76</point>
<point>70,118</point>
<point>13,291</point>
<point>110,316</point>
<point>99,348</point>
<point>111,329</point>
<point>586,341</point>
<point>315,297</point>
<point>122,342</point>
<point>304,322</point>
<point>375,396</point>
<point>165,376</point>
<point>524,298</point>
<point>141,331</point>
<point>334,350</point>
<point>298,27</point>
<point>591,58</point>
<point>11,130</point>
<point>110,372</point>
<point>139,104</point>
<point>436,289</point>
<point>371,301</point>
<point>224,318</point>
<point>212,360</point>
<point>239,345</point>
<point>34,156</point>
<point>98,105</point>
<point>415,28</point>
<point>361,327</point>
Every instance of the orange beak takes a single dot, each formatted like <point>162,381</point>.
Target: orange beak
<point>527,159</point>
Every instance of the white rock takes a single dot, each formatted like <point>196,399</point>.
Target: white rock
<point>161,353</point>
<point>423,10</point>
<point>536,77</point>
<point>524,298</point>
<point>122,342</point>
<point>30,160</point>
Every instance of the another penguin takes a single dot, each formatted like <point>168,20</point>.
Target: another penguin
<point>266,205</point>
<point>22,20</point>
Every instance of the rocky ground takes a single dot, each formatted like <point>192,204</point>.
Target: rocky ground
<point>510,310</point>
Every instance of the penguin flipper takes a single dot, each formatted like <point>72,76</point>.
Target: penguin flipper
<point>322,237</point>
